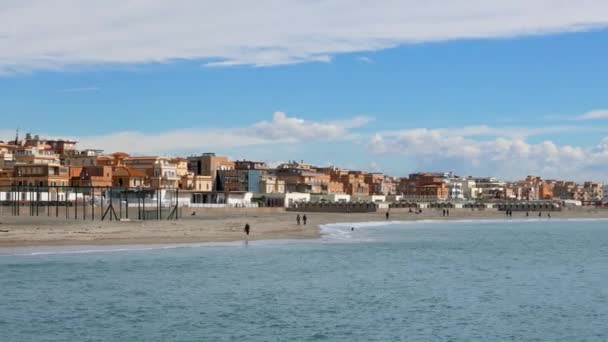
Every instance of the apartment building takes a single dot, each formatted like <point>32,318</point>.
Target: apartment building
<point>39,175</point>
<point>125,177</point>
<point>159,171</point>
<point>208,164</point>
<point>95,176</point>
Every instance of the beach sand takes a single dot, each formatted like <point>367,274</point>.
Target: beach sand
<point>223,226</point>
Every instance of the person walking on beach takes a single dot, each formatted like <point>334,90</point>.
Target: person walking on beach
<point>549,215</point>
<point>304,219</point>
<point>527,213</point>
<point>447,212</point>
<point>247,229</point>
<point>540,214</point>
<point>387,215</point>
<point>443,212</point>
<point>298,219</point>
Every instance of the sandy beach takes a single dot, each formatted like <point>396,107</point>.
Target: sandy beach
<point>223,226</point>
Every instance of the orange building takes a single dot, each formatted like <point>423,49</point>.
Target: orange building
<point>424,185</point>
<point>40,175</point>
<point>125,177</point>
<point>96,176</point>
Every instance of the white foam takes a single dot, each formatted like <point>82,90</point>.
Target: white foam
<point>343,232</point>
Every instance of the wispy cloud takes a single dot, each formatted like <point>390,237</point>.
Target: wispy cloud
<point>282,129</point>
<point>594,115</point>
<point>78,90</point>
<point>238,32</point>
<point>590,115</point>
<point>365,59</point>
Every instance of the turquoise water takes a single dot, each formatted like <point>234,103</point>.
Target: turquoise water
<point>490,281</point>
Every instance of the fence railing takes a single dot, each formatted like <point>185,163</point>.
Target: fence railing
<point>89,203</point>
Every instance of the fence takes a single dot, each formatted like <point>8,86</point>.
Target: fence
<point>89,203</point>
<point>334,207</point>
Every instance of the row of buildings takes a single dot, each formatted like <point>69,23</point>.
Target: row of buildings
<point>35,161</point>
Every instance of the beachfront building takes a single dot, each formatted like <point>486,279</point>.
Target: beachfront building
<point>196,182</point>
<point>424,186</point>
<point>125,177</point>
<point>91,176</point>
<point>594,192</point>
<point>272,185</point>
<point>246,176</point>
<point>462,189</point>
<point>490,188</point>
<point>586,192</point>
<point>354,183</point>
<point>379,184</point>
<point>208,164</point>
<point>7,158</point>
<point>159,171</point>
<point>42,175</point>
<point>302,178</point>
<point>35,155</point>
<point>87,157</point>
<point>181,166</point>
<point>331,198</point>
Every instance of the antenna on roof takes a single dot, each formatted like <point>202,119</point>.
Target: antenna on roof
<point>17,136</point>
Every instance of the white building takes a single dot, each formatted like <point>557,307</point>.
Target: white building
<point>332,198</point>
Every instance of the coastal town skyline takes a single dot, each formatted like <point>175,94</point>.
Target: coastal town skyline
<point>20,138</point>
<point>45,163</point>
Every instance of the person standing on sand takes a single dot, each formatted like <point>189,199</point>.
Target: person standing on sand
<point>247,229</point>
<point>387,215</point>
<point>443,212</point>
<point>540,214</point>
<point>304,219</point>
<point>447,212</point>
<point>298,219</point>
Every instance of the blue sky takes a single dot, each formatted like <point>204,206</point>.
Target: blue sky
<point>504,100</point>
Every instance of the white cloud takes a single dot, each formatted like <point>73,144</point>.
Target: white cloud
<point>41,34</point>
<point>594,115</point>
<point>511,157</point>
<point>282,129</point>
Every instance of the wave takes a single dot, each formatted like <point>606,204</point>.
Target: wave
<point>330,233</point>
<point>347,231</point>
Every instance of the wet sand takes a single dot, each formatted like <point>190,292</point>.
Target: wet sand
<point>224,226</point>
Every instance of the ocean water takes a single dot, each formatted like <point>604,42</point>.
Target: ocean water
<point>465,281</point>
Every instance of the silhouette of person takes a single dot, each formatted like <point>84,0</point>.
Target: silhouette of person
<point>540,214</point>
<point>387,215</point>
<point>247,229</point>
<point>298,219</point>
<point>304,219</point>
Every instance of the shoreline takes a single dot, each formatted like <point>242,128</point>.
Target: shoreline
<point>227,226</point>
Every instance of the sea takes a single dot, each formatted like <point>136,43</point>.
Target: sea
<point>536,280</point>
